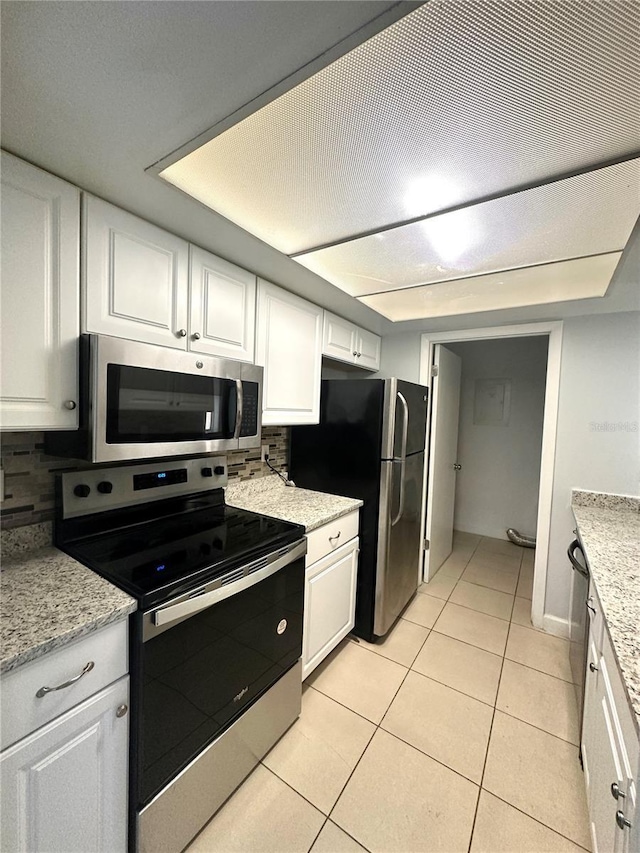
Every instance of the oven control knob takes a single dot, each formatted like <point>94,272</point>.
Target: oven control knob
<point>219,469</point>
<point>207,472</point>
<point>82,491</point>
<point>105,487</point>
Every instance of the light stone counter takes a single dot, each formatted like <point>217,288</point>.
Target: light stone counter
<point>269,496</point>
<point>609,529</point>
<point>48,600</point>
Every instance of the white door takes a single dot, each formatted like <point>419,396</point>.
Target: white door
<point>64,788</point>
<point>443,449</point>
<point>222,307</point>
<point>40,299</point>
<point>340,339</point>
<point>368,350</point>
<point>289,347</point>
<point>136,278</point>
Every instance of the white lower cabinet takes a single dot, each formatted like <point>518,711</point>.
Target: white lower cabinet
<point>610,753</point>
<point>65,748</point>
<point>64,787</point>
<point>330,590</point>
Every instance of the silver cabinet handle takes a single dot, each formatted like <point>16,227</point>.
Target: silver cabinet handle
<point>337,536</point>
<point>44,690</point>
<point>457,466</point>
<point>121,710</point>
<point>181,333</point>
<point>616,793</point>
<point>70,404</point>
<point>621,820</point>
<point>359,355</point>
<point>589,606</point>
<point>355,352</point>
<point>196,336</point>
<point>593,667</point>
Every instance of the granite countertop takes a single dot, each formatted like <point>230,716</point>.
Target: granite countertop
<point>269,496</point>
<point>609,529</point>
<point>48,600</point>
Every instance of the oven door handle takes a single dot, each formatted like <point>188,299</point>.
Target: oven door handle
<point>199,602</point>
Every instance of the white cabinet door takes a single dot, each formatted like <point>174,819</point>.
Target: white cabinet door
<point>329,604</point>
<point>64,788</point>
<point>223,307</point>
<point>345,342</point>
<point>368,350</point>
<point>339,339</point>
<point>289,347</point>
<point>136,277</point>
<point>40,299</point>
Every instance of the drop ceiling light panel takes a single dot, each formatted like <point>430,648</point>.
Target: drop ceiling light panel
<point>549,283</point>
<point>456,101</point>
<point>586,215</point>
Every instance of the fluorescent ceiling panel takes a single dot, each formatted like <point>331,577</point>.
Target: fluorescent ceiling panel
<point>560,282</point>
<point>586,215</point>
<point>458,100</point>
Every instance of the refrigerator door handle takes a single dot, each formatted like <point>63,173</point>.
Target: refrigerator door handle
<point>403,457</point>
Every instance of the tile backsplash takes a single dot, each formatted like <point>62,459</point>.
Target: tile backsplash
<point>29,473</point>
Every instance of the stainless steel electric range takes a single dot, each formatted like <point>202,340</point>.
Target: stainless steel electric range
<point>216,642</point>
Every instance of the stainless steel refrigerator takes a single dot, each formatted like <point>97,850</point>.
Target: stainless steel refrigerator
<point>370,444</point>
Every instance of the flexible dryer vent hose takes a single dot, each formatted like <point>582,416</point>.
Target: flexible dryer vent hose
<point>519,539</point>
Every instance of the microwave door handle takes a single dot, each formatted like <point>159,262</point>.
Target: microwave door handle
<point>236,432</point>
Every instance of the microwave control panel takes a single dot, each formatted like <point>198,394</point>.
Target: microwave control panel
<point>249,424</point>
<point>96,489</point>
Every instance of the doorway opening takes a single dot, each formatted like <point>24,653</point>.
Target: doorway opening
<point>492,424</point>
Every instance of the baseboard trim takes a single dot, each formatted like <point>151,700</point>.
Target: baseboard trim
<point>556,626</point>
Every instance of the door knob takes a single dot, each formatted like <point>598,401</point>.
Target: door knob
<point>181,333</point>
<point>456,466</point>
<point>616,793</point>
<point>196,336</point>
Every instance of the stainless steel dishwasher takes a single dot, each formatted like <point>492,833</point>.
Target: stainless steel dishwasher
<point>579,635</point>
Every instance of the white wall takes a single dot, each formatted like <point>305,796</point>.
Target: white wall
<point>500,477</point>
<point>598,437</point>
<point>599,385</point>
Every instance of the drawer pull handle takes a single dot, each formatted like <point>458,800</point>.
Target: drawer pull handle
<point>337,536</point>
<point>44,690</point>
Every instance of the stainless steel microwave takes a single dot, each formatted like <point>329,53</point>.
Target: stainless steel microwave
<point>139,401</point>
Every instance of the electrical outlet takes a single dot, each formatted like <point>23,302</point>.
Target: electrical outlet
<point>265,452</point>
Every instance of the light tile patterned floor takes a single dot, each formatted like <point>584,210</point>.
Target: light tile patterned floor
<point>453,734</point>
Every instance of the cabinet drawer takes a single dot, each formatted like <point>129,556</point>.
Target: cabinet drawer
<point>22,712</point>
<point>331,536</point>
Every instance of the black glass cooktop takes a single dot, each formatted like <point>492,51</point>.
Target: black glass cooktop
<point>189,542</point>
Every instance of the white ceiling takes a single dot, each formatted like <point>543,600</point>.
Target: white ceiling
<point>97,91</point>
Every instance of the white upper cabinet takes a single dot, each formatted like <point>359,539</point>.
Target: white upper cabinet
<point>346,342</point>
<point>289,347</point>
<point>40,299</point>
<point>368,350</point>
<point>136,277</point>
<point>339,338</point>
<point>222,307</point>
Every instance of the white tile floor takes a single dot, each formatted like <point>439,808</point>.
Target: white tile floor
<point>458,732</point>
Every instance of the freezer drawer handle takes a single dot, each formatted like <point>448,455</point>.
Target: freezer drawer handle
<point>44,690</point>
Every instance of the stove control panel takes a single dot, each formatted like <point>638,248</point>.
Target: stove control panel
<point>97,489</point>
